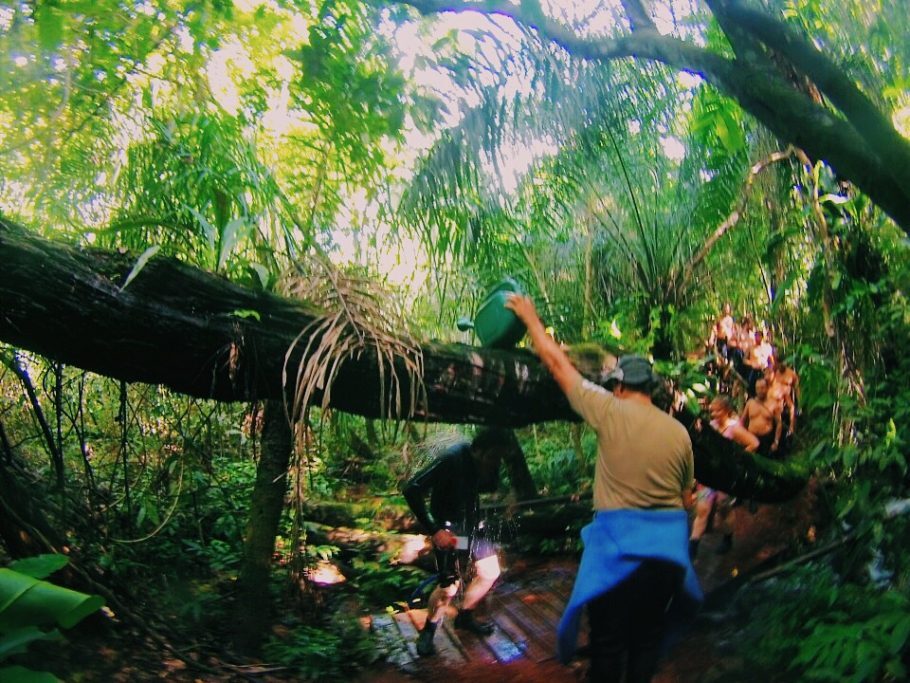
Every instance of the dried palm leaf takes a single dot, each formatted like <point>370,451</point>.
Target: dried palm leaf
<point>359,315</point>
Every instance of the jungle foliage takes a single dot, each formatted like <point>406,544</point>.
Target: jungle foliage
<point>631,180</point>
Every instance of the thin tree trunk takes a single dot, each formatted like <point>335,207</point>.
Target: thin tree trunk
<point>253,596</point>
<point>516,465</point>
<point>56,457</point>
<point>6,448</point>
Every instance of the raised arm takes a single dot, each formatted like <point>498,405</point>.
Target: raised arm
<point>550,353</point>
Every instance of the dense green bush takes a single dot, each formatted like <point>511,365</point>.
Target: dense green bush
<point>334,653</point>
<point>814,626</point>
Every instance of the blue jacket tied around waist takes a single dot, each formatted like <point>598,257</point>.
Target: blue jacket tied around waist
<point>615,545</point>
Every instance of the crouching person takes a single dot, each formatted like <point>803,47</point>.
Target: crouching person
<point>453,482</point>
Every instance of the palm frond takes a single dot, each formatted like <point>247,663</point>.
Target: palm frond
<point>358,316</point>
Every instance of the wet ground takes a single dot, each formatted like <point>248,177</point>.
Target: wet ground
<point>526,604</point>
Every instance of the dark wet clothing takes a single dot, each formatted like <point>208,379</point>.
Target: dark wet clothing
<point>451,483</point>
<point>628,623</point>
<point>765,442</point>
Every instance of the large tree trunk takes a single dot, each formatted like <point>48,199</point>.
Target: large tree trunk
<point>178,326</point>
<point>181,327</point>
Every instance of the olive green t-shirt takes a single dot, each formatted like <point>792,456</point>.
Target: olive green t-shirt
<point>644,456</point>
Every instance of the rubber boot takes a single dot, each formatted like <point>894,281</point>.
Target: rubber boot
<point>425,646</point>
<point>466,621</point>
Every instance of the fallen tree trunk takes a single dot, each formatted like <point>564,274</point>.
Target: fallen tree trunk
<point>723,464</point>
<point>202,335</point>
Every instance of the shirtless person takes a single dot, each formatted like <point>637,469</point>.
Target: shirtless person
<point>745,343</point>
<point>761,357</point>
<point>788,381</point>
<point>725,421</point>
<point>761,416</point>
<point>783,389</point>
<point>723,331</point>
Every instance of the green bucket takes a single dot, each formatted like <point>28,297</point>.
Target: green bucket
<point>496,326</point>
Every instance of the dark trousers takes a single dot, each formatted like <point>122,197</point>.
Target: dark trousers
<point>628,624</point>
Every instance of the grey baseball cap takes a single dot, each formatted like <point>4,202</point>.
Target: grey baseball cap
<point>631,369</point>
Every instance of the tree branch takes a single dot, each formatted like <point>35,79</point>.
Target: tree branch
<point>744,45</point>
<point>645,43</point>
<point>865,116</point>
<point>756,84</point>
<point>638,16</point>
<point>734,216</point>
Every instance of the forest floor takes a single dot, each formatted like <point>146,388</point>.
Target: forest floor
<point>762,539</point>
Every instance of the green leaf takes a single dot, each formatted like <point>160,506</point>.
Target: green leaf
<point>211,233</point>
<point>140,264</point>
<point>261,272</point>
<point>26,601</point>
<point>899,635</point>
<point>728,131</point>
<point>246,313</point>
<point>17,640</point>
<point>19,674</point>
<point>40,566</point>
<point>50,27</point>
<point>229,239</point>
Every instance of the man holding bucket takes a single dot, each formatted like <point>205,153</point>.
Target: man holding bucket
<point>635,575</point>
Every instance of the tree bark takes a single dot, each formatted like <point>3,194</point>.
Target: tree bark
<point>516,465</point>
<point>178,326</point>
<point>184,328</point>
<point>253,595</point>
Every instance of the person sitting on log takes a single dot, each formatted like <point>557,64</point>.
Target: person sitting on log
<point>725,421</point>
<point>635,562</point>
<point>453,482</point>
